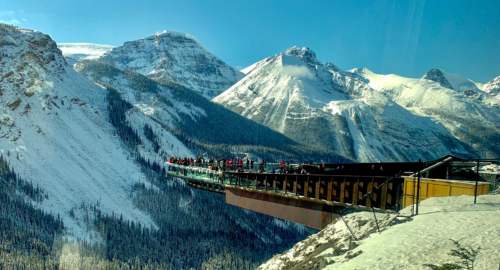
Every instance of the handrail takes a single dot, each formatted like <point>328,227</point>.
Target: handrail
<point>206,170</point>
<point>193,168</point>
<point>315,175</point>
<point>433,166</point>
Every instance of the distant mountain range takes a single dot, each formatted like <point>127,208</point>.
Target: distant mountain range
<point>366,116</point>
<point>447,126</point>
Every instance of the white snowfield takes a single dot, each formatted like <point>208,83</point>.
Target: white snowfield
<point>348,113</point>
<point>55,133</point>
<point>83,51</point>
<point>423,239</point>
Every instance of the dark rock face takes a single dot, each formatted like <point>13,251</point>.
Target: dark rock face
<point>304,53</point>
<point>437,75</point>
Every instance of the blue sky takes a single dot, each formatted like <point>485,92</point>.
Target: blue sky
<point>387,36</point>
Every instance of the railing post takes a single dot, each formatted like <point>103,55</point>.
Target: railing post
<point>329,194</point>
<point>399,194</point>
<point>477,182</point>
<point>342,190</point>
<point>355,192</point>
<point>369,193</point>
<point>265,182</point>
<point>317,188</point>
<point>306,187</point>
<point>295,184</point>
<point>285,184</point>
<point>418,186</point>
<point>274,182</point>
<point>383,200</point>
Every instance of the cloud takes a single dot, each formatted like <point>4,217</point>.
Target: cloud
<point>12,17</point>
<point>298,71</point>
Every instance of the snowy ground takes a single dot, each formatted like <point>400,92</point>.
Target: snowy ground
<point>424,239</point>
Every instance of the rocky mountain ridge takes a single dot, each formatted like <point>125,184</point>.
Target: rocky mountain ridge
<point>172,57</point>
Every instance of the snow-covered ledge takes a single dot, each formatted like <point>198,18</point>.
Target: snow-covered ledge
<point>403,243</point>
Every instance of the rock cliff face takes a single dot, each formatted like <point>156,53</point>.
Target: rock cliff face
<point>437,75</point>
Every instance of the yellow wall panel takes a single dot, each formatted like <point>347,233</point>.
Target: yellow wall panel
<point>440,188</point>
<point>462,191</point>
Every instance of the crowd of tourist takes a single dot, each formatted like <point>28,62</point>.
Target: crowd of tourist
<point>236,164</point>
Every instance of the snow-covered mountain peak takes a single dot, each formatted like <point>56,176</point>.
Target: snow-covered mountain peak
<point>304,53</point>
<point>436,75</point>
<point>169,34</point>
<point>322,105</point>
<point>493,86</point>
<point>171,38</point>
<point>170,56</point>
<point>30,61</point>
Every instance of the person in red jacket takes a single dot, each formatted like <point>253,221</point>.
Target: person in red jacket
<point>282,166</point>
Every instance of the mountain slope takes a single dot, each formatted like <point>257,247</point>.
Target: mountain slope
<point>170,57</point>
<point>54,132</point>
<point>318,104</point>
<point>471,116</point>
<point>205,127</point>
